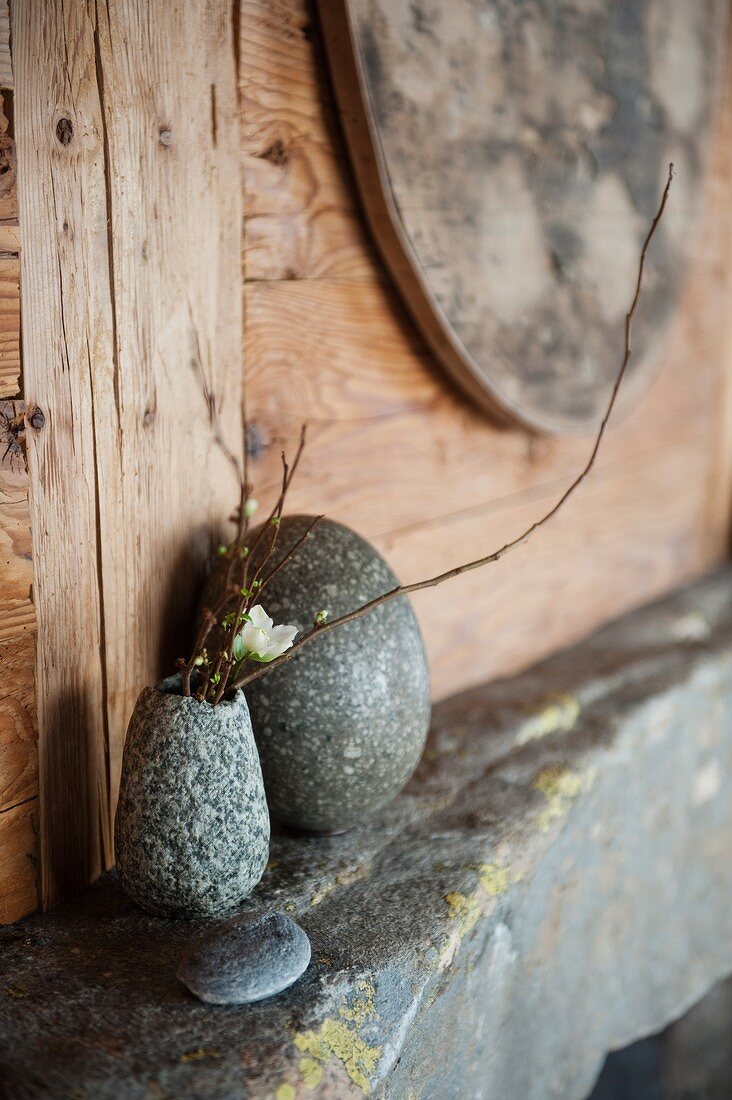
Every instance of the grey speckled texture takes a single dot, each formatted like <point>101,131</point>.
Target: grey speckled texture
<point>249,958</point>
<point>192,827</point>
<point>341,727</point>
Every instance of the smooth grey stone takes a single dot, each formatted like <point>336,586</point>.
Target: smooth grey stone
<point>192,826</point>
<point>342,726</point>
<point>251,957</point>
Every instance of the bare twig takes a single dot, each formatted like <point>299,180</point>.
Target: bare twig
<point>238,590</point>
<point>496,555</point>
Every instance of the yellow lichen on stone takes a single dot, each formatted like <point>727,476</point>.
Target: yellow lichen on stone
<point>494,879</point>
<point>364,1006</point>
<point>322,893</point>
<point>285,1092</point>
<point>559,714</point>
<point>312,1072</point>
<point>199,1055</point>
<point>345,878</point>
<point>465,909</point>
<point>340,1039</point>
<point>560,786</point>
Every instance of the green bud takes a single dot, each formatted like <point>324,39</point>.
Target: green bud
<point>222,551</point>
<point>198,662</point>
<point>276,521</point>
<point>321,618</point>
<point>250,507</point>
<point>243,552</point>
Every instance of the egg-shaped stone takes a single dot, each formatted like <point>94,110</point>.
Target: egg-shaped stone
<point>341,727</point>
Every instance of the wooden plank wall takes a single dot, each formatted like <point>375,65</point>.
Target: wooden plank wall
<point>18,728</point>
<point>130,209</point>
<point>398,454</point>
<point>132,340</point>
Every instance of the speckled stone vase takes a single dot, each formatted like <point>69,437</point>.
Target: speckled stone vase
<point>192,826</point>
<point>342,726</point>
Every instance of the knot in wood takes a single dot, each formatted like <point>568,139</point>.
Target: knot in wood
<point>64,131</point>
<point>37,418</point>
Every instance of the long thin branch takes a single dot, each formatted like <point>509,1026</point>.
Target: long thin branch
<point>496,555</point>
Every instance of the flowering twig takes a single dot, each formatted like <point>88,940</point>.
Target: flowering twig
<point>323,627</point>
<point>241,591</point>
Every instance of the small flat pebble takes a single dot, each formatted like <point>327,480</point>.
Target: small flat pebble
<point>248,958</point>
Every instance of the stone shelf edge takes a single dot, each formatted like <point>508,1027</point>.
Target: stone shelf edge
<point>554,883</point>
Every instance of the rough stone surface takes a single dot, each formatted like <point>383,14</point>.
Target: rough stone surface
<point>553,883</point>
<point>192,827</point>
<point>341,727</point>
<point>247,959</point>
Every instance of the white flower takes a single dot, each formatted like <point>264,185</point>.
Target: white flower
<point>260,640</point>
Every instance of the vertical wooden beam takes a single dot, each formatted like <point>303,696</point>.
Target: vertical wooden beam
<point>126,126</point>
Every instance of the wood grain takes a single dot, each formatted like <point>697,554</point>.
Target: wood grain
<point>301,215</point>
<point>8,171</point>
<point>18,758</point>
<point>131,330</point>
<point>17,615</point>
<point>9,318</point>
<point>395,452</point>
<point>18,724</point>
<point>10,382</point>
<point>18,860</point>
<point>6,66</point>
<point>18,733</point>
<point>336,354</point>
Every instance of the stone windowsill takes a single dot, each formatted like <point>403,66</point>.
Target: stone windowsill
<point>553,883</point>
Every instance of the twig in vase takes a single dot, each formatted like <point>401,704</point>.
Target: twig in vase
<point>215,674</point>
<point>323,627</point>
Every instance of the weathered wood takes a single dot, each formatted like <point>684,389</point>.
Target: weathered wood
<point>9,317</point>
<point>17,615</point>
<point>301,216</point>
<point>9,247</point>
<point>18,733</point>
<point>132,324</point>
<point>498,165</point>
<point>8,171</point>
<point>338,354</point>
<point>396,453</point>
<point>18,727</point>
<point>18,860</point>
<point>6,66</point>
<point>18,759</point>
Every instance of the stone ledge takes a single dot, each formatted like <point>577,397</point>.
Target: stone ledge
<point>554,883</point>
